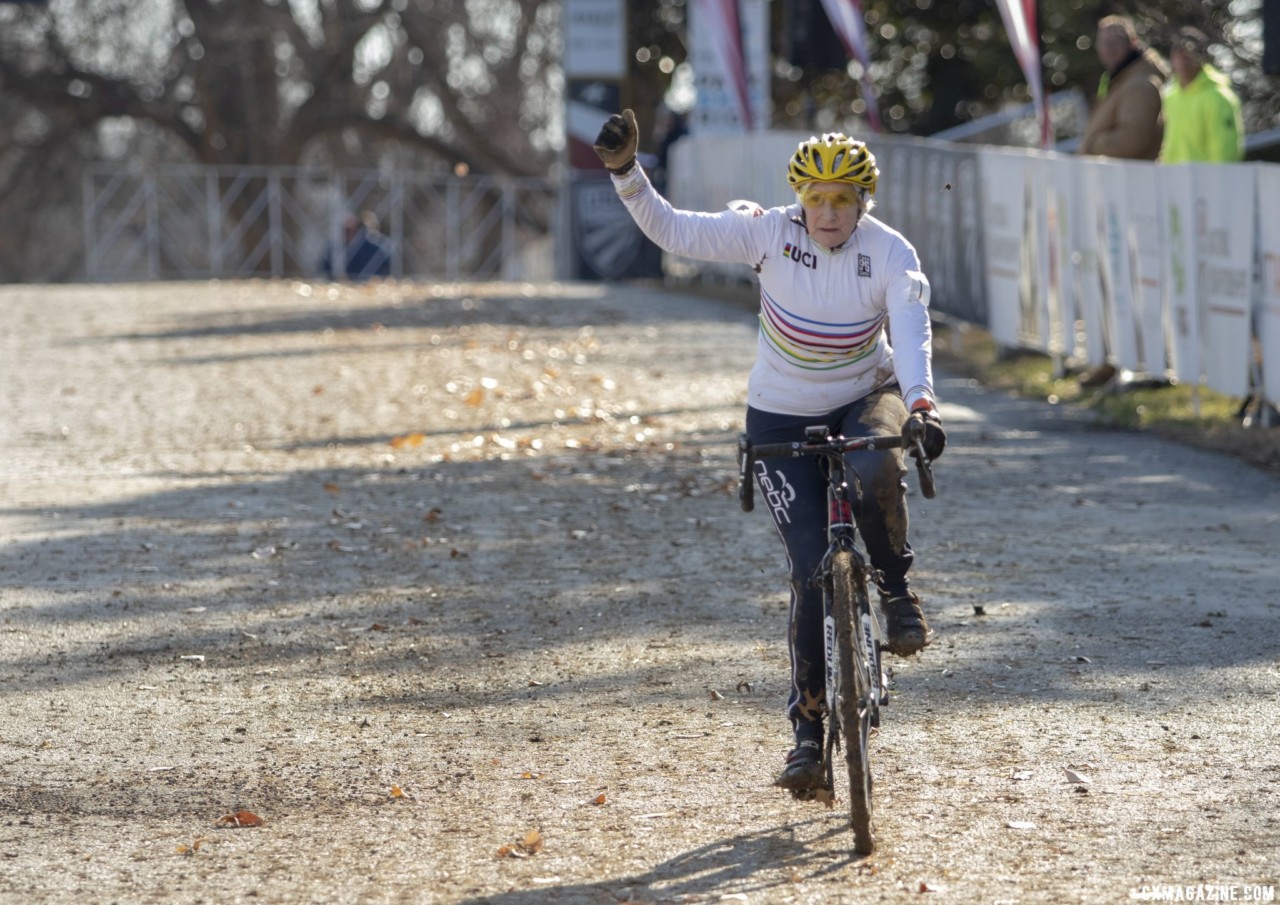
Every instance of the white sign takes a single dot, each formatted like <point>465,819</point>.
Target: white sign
<point>1059,184</point>
<point>717,110</point>
<point>1178,200</point>
<point>1086,260</point>
<point>1112,216</point>
<point>1146,250</point>
<point>1004,211</point>
<point>1224,230</point>
<point>595,38</point>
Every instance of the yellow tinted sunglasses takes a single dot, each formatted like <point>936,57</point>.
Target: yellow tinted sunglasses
<point>841,200</point>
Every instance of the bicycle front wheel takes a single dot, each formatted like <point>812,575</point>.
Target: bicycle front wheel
<point>857,707</point>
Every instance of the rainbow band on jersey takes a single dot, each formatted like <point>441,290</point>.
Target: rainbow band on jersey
<point>799,340</point>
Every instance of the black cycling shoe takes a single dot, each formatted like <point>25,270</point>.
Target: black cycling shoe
<point>803,770</point>
<point>907,630</point>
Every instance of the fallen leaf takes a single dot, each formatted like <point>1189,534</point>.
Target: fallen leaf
<point>599,799</point>
<point>397,792</point>
<point>1073,776</point>
<point>1020,775</point>
<point>240,819</point>
<point>474,398</point>
<point>332,487</point>
<point>403,440</point>
<point>931,887</point>
<point>433,514</point>
<point>193,847</point>
<point>530,845</point>
<point>745,686</point>
<point>378,627</point>
<point>716,696</point>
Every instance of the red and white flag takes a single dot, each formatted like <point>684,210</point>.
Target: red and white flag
<point>1023,24</point>
<point>849,22</point>
<point>721,19</point>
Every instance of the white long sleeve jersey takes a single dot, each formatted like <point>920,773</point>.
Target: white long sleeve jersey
<point>823,341</point>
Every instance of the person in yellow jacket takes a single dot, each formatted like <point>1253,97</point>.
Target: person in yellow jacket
<point>1202,119</point>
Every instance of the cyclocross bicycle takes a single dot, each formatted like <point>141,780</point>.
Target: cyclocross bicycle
<point>852,633</point>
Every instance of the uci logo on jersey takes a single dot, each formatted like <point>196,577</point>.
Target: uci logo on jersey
<point>803,258</point>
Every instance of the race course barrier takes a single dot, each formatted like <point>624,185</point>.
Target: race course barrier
<point>1160,270</point>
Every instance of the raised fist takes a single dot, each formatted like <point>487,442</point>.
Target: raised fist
<point>617,142</point>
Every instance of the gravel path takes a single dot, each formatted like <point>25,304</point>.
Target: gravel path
<point>448,585</point>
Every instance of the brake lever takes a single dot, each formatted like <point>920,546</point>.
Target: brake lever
<point>924,467</point>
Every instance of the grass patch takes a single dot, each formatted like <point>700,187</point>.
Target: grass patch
<point>1196,416</point>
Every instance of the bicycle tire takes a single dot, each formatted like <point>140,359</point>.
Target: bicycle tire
<point>849,601</point>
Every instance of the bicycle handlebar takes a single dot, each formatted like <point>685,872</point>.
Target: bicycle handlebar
<point>748,453</point>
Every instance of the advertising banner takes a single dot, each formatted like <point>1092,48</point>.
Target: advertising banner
<point>1112,216</point>
<point>1269,298</point>
<point>1146,252</point>
<point>729,53</point>
<point>1004,218</point>
<point>1177,201</point>
<point>1224,256</point>
<point>1059,177</point>
<point>1086,263</point>
<point>1035,323</point>
<point>595,38</point>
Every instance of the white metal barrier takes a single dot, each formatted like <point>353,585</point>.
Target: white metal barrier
<point>183,221</point>
<point>1166,270</point>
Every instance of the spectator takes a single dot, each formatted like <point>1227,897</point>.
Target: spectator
<point>1202,113</point>
<point>1126,119</point>
<point>669,128</point>
<point>366,251</point>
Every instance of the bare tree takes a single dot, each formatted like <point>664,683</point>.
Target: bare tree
<point>468,86</point>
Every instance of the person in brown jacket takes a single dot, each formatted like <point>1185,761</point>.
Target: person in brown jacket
<point>1126,120</point>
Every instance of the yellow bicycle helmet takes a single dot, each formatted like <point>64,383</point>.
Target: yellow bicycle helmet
<point>834,157</point>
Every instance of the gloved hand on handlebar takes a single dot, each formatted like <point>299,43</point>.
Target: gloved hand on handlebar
<point>925,423</point>
<point>617,143</point>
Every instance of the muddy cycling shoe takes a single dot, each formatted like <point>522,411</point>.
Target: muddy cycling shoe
<point>908,632</point>
<point>803,770</point>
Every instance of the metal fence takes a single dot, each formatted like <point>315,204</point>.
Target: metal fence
<point>192,221</point>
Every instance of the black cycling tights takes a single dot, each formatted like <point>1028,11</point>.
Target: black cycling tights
<point>795,491</point>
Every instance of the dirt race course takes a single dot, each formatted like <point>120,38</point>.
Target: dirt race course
<point>449,586</point>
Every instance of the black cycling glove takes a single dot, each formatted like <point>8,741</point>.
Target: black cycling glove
<point>934,439</point>
<point>617,143</point>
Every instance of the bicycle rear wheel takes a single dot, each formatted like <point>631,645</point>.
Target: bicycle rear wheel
<point>856,707</point>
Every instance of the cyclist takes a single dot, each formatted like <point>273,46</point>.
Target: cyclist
<point>833,282</point>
